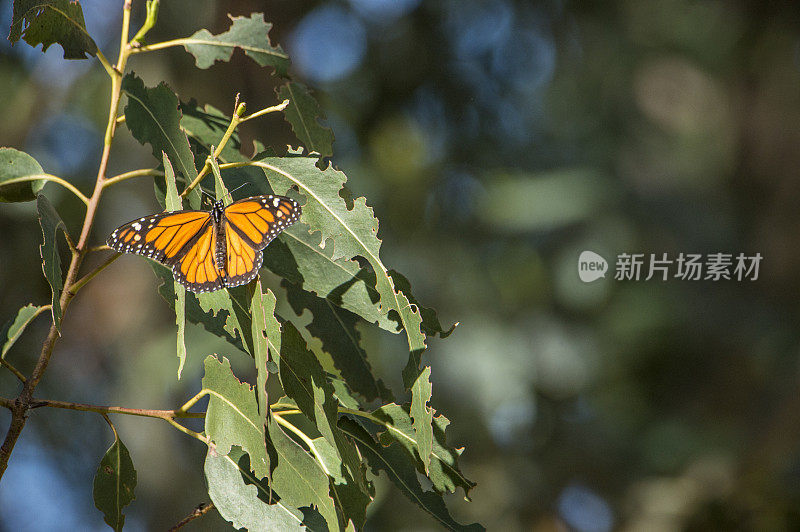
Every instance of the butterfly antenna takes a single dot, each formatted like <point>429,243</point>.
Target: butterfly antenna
<point>237,188</point>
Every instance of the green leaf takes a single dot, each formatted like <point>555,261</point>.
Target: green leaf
<point>262,308</point>
<point>51,262</point>
<point>353,231</point>
<point>423,416</point>
<point>174,203</point>
<point>114,483</point>
<point>243,499</point>
<point>14,327</point>
<point>206,127</point>
<point>400,471</point>
<point>251,35</point>
<point>443,470</point>
<point>304,113</point>
<point>52,21</point>
<point>298,479</point>
<point>296,256</point>
<point>15,164</point>
<point>215,313</point>
<point>304,380</point>
<point>336,328</point>
<point>153,117</point>
<point>232,417</point>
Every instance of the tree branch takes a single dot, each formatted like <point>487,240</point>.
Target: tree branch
<point>22,404</point>
<point>198,512</point>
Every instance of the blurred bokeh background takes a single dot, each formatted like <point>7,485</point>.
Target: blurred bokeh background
<point>496,140</point>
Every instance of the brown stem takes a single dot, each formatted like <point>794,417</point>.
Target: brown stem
<point>161,414</point>
<point>200,511</point>
<point>22,404</point>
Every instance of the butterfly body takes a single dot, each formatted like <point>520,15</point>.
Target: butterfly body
<point>210,250</point>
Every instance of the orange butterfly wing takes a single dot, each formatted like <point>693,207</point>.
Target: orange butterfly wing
<point>196,269</point>
<point>195,246</point>
<point>250,224</point>
<point>161,237</point>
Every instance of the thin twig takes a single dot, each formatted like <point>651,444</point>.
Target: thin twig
<point>280,107</point>
<point>17,373</point>
<point>133,173</point>
<point>49,177</point>
<point>198,512</point>
<point>89,276</point>
<point>20,407</point>
<point>100,409</point>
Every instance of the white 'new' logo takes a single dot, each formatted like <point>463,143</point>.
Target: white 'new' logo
<point>591,266</point>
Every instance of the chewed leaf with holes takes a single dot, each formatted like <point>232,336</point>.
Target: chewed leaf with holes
<point>249,34</point>
<point>443,468</point>
<point>49,22</point>
<point>394,462</point>
<point>232,417</point>
<point>352,232</point>
<point>304,114</point>
<point>153,117</point>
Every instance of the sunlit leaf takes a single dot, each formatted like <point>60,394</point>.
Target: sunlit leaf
<point>352,230</point>
<point>47,22</point>
<point>443,470</point>
<point>243,499</point>
<point>232,417</point>
<point>250,34</point>
<point>15,164</point>
<point>15,326</point>
<point>304,114</point>
<point>153,117</point>
<point>298,479</point>
<point>51,263</point>
<point>174,203</point>
<point>261,306</point>
<point>394,461</point>
<point>114,483</point>
<point>422,416</point>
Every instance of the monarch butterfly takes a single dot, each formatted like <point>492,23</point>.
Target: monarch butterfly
<point>209,250</point>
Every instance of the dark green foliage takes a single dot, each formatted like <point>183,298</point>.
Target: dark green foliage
<point>114,483</point>
<point>298,461</point>
<point>47,22</point>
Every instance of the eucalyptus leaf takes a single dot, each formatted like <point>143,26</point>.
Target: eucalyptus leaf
<point>423,416</point>
<point>51,262</point>
<point>400,471</point>
<point>15,164</point>
<point>352,231</point>
<point>153,117</point>
<point>49,22</point>
<point>304,114</point>
<point>244,500</point>
<point>13,328</point>
<point>336,328</point>
<point>174,203</point>
<point>298,479</point>
<point>232,417</point>
<point>114,483</point>
<point>250,34</point>
<point>443,470</point>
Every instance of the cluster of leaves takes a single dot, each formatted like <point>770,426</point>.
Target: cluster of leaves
<point>306,458</point>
